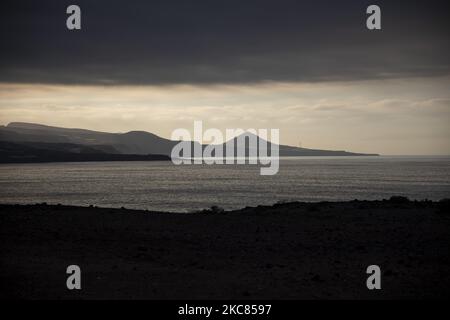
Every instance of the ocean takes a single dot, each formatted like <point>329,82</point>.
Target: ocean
<point>163,186</point>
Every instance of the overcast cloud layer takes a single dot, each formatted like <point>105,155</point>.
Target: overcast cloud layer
<point>212,42</point>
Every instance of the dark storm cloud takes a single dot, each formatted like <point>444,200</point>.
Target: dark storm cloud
<point>197,42</point>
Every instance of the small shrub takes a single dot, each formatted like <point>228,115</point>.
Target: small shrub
<point>216,209</point>
<point>399,199</point>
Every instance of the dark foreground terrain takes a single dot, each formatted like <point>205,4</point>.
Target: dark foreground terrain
<point>286,251</point>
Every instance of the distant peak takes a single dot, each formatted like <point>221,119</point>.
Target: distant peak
<point>249,135</point>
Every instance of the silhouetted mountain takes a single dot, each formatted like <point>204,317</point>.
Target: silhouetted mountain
<point>284,151</point>
<point>133,142</point>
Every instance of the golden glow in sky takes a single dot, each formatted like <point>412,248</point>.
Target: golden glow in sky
<point>392,117</point>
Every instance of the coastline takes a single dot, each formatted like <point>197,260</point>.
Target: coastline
<point>285,251</point>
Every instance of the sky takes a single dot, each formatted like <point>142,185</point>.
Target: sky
<point>310,68</point>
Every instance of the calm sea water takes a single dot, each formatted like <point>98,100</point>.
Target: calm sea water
<point>164,186</point>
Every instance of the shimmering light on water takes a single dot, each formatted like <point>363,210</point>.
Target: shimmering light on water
<point>164,186</point>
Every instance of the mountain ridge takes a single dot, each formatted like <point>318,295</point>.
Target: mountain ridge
<point>132,142</point>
